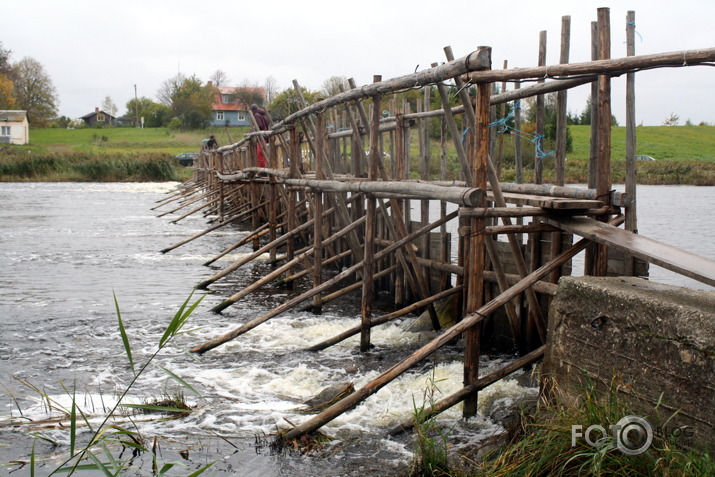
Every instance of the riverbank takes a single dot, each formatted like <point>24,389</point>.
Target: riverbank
<point>685,155</point>
<point>22,166</point>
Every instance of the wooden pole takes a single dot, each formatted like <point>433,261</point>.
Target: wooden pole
<point>371,215</point>
<point>561,127</point>
<point>603,166</point>
<point>395,371</point>
<point>325,285</point>
<point>476,260</point>
<point>458,396</point>
<point>631,178</point>
<point>540,115</point>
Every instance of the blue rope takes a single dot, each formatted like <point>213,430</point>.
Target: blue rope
<point>634,25</point>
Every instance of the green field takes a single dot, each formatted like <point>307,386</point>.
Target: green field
<point>126,140</point>
<point>684,154</point>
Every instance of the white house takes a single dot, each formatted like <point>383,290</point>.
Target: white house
<point>14,128</point>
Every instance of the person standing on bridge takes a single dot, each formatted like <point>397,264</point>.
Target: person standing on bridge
<point>263,121</point>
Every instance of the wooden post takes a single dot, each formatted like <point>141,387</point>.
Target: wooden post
<point>561,127</point>
<point>318,211</point>
<point>476,260</point>
<point>603,165</point>
<point>540,114</point>
<point>593,147</point>
<point>371,215</point>
<point>631,178</point>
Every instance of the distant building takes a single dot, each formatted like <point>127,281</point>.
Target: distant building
<point>14,128</point>
<point>229,108</point>
<point>99,118</point>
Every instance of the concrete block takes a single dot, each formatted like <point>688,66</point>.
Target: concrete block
<point>659,339</point>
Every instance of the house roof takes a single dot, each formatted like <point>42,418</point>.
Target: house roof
<point>219,105</point>
<point>13,116</point>
<point>96,112</point>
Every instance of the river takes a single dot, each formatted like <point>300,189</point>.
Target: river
<point>66,248</point>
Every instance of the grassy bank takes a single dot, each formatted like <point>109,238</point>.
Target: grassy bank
<point>103,155</point>
<point>685,154</point>
<point>77,166</point>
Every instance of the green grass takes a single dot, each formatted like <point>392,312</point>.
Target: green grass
<point>685,154</point>
<point>544,445</point>
<point>19,166</point>
<point>126,140</point>
<point>681,143</point>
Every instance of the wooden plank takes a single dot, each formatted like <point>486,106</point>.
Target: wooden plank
<point>548,202</point>
<point>677,260</point>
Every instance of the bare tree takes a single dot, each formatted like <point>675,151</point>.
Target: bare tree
<point>36,93</point>
<point>271,87</point>
<point>671,120</point>
<point>331,86</point>
<point>219,78</point>
<point>108,106</point>
<point>169,88</point>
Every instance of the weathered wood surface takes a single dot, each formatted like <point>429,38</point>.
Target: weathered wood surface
<point>603,66</point>
<point>471,320</point>
<point>545,202</point>
<point>680,261</point>
<point>458,396</point>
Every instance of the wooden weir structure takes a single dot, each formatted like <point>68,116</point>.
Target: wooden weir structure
<point>335,205</point>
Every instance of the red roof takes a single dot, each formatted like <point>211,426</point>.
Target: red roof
<point>237,105</point>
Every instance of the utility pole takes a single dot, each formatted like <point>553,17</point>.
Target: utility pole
<point>136,106</point>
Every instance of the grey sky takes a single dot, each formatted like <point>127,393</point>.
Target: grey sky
<point>93,49</point>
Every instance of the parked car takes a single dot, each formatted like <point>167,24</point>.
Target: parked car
<point>644,158</point>
<point>186,158</point>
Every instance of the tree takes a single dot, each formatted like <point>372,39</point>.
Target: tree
<point>331,86</point>
<point>248,93</point>
<point>585,117</point>
<point>671,120</point>
<point>270,86</point>
<point>8,99</point>
<point>7,93</point>
<point>35,91</point>
<point>5,65</point>
<point>191,103</point>
<point>169,88</point>
<point>155,114</point>
<point>108,106</point>
<point>286,102</point>
<point>219,78</point>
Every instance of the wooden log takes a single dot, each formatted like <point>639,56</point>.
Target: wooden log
<point>239,263</point>
<point>561,97</point>
<point>526,212</point>
<point>519,229</point>
<point>304,296</point>
<point>666,256</point>
<point>199,234</point>
<point>370,228</point>
<point>475,265</point>
<point>631,180</point>
<point>540,117</point>
<point>615,66</point>
<point>262,230</point>
<point>603,164</point>
<point>472,62</point>
<point>384,319</point>
<point>302,257</point>
<point>458,396</point>
<point>395,371</point>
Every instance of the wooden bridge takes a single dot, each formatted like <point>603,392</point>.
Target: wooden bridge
<point>327,210</point>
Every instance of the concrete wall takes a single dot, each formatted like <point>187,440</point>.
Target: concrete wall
<point>658,338</point>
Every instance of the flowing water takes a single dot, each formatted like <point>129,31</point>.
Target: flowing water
<point>66,248</point>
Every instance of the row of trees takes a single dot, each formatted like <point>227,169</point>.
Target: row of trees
<point>26,85</point>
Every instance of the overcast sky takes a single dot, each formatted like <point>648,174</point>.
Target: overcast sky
<point>94,49</point>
